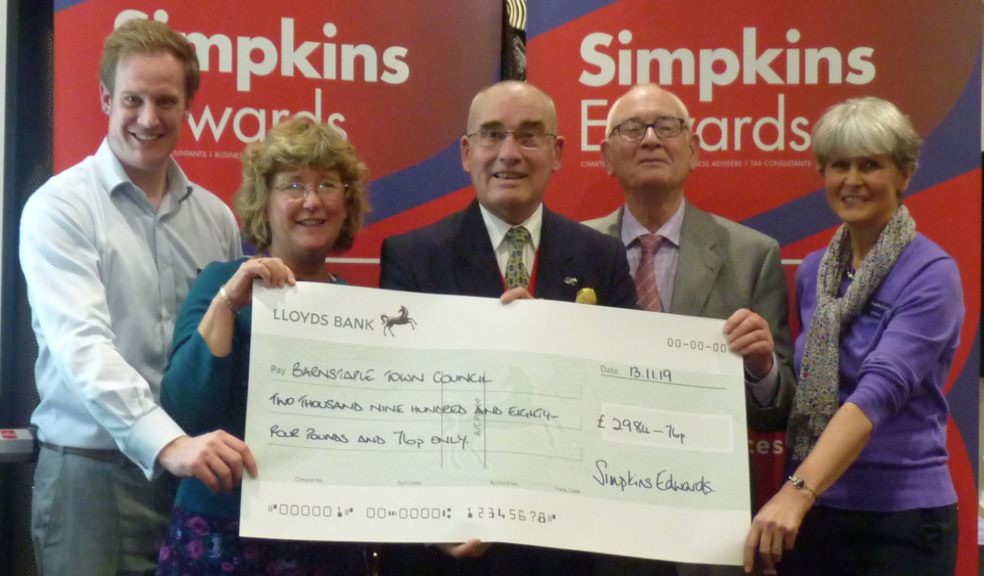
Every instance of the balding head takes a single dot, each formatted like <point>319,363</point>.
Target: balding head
<point>650,167</point>
<point>644,92</point>
<point>511,147</point>
<point>512,89</point>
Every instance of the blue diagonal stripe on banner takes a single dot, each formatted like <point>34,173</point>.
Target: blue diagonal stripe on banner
<point>439,175</point>
<point>63,4</point>
<point>545,15</point>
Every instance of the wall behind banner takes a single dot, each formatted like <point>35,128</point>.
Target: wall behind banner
<point>755,80</point>
<point>783,202</point>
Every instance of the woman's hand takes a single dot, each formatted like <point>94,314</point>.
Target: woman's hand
<point>775,527</point>
<point>272,271</point>
<point>216,326</point>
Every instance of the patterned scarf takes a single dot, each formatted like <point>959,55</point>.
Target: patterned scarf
<point>816,397</point>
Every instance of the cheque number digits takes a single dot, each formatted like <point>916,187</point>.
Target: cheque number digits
<point>407,513</point>
<point>511,514</point>
<point>310,510</point>
<point>697,345</point>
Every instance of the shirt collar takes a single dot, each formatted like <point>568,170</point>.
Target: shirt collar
<point>670,230</point>
<point>113,177</point>
<point>497,227</point>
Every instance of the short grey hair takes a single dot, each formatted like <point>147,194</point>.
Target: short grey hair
<point>866,126</point>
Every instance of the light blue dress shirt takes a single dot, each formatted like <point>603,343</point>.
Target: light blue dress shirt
<point>665,259</point>
<point>106,273</point>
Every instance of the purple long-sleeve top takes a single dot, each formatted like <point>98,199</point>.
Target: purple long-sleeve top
<point>894,361</point>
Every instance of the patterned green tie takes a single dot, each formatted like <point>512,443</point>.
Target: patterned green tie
<point>516,274</point>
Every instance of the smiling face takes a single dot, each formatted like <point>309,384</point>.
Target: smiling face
<point>652,165</point>
<point>510,180</point>
<point>146,110</point>
<point>865,191</point>
<point>304,229</point>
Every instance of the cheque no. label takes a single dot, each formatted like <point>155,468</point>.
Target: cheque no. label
<point>397,417</point>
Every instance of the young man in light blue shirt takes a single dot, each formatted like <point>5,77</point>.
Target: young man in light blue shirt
<point>109,249</point>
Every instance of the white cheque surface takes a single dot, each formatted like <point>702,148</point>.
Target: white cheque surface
<point>388,416</point>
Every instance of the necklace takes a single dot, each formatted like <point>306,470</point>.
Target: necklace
<point>850,272</point>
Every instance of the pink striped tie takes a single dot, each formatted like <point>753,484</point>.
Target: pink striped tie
<point>645,278</point>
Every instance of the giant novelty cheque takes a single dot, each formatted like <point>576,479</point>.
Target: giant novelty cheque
<point>388,416</point>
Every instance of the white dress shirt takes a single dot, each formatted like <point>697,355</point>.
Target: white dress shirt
<point>497,229</point>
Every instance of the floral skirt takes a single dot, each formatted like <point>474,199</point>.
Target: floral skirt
<point>198,545</point>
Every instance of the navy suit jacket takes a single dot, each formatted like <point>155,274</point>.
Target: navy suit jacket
<point>455,256</point>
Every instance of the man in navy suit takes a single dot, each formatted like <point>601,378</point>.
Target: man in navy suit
<point>510,150</point>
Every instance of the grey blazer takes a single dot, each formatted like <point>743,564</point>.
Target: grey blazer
<point>724,266</point>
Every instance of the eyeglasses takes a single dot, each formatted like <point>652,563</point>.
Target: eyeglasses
<point>526,139</point>
<point>664,127</point>
<point>299,190</point>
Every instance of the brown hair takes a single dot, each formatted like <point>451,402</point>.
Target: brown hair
<point>298,143</point>
<point>148,37</point>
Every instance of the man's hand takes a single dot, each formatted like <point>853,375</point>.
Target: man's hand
<point>517,293</point>
<point>748,335</point>
<point>473,548</point>
<point>217,459</point>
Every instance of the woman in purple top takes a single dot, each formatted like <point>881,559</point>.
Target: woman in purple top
<point>881,309</point>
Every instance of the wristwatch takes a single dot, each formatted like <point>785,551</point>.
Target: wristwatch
<point>800,484</point>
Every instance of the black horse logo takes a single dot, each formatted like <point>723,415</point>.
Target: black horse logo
<point>402,317</point>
